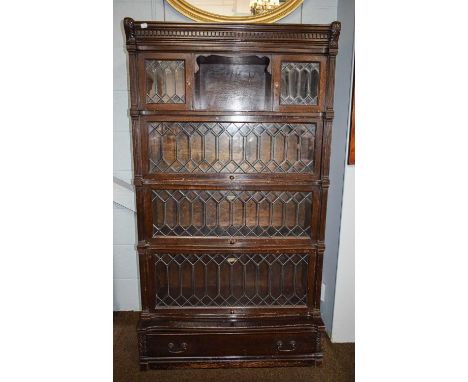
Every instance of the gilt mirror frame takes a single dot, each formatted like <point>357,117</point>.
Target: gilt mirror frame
<point>201,15</point>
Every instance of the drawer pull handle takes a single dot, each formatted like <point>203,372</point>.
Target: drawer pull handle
<point>281,347</point>
<point>172,348</point>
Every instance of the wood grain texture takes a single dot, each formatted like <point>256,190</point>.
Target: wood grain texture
<point>227,179</point>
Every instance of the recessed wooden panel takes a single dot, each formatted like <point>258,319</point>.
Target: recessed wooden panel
<point>232,83</point>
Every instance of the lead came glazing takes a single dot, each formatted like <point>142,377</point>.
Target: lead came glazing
<point>299,83</point>
<point>213,147</point>
<point>231,213</point>
<point>165,81</point>
<point>231,280</point>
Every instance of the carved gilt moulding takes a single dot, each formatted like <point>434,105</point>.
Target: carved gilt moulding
<point>202,15</point>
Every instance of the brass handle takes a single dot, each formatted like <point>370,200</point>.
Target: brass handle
<point>232,241</point>
<point>173,349</point>
<point>231,260</point>
<point>280,346</point>
<point>189,83</point>
<point>276,85</point>
<point>232,177</point>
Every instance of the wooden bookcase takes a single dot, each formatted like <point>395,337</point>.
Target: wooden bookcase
<point>231,129</point>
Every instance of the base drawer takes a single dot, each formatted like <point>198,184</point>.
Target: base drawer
<point>229,344</point>
<point>174,341</point>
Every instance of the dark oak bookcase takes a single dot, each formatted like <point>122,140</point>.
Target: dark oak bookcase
<point>231,128</point>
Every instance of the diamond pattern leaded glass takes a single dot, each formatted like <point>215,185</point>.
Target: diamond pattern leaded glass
<point>231,213</point>
<point>165,81</point>
<point>299,83</point>
<point>213,147</point>
<point>187,280</point>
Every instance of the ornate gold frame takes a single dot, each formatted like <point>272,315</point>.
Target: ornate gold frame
<point>198,14</point>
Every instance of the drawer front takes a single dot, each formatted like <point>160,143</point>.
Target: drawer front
<point>239,213</point>
<point>232,280</point>
<point>230,344</point>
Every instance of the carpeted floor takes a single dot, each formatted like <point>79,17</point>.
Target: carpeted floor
<point>338,363</point>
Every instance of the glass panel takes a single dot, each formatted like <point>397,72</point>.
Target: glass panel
<point>212,147</point>
<point>231,213</point>
<point>231,279</point>
<point>299,83</point>
<point>165,81</point>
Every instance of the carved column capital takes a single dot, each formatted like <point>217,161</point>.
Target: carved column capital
<point>129,26</point>
<point>335,34</point>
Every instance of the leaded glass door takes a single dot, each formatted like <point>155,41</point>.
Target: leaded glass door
<point>299,83</point>
<point>224,147</point>
<point>166,81</point>
<point>221,280</point>
<point>231,217</point>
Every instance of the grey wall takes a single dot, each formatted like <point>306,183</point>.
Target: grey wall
<point>126,278</point>
<point>343,79</point>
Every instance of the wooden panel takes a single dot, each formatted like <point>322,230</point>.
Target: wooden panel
<point>224,82</point>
